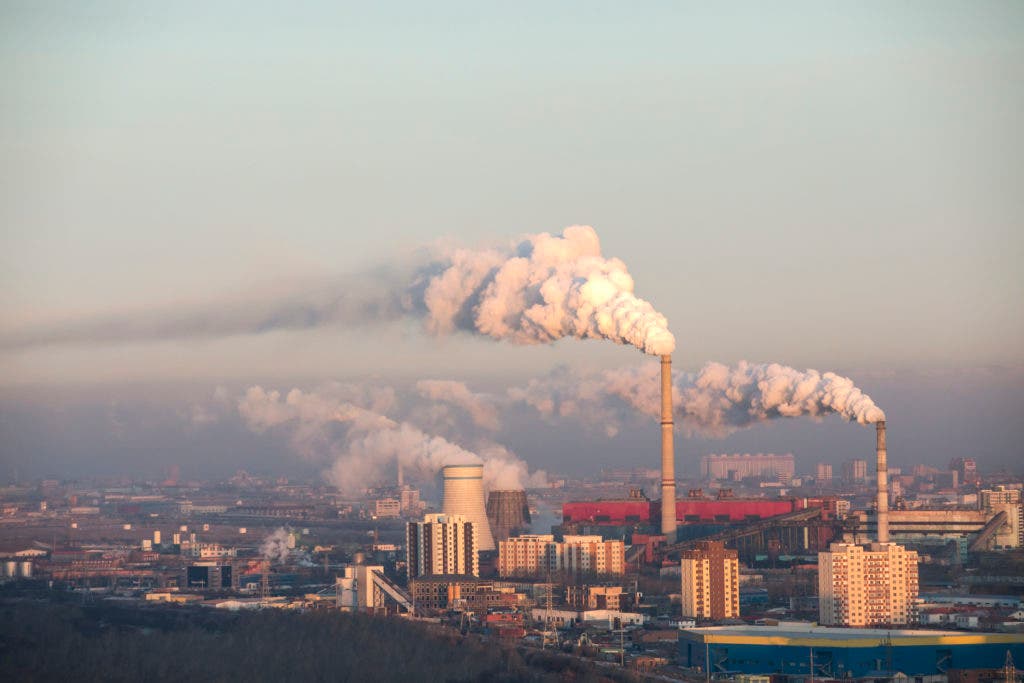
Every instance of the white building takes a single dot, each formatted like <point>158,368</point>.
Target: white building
<point>442,544</point>
<point>865,586</point>
<point>537,554</point>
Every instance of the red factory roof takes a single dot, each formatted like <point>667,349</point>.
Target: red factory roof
<point>687,510</point>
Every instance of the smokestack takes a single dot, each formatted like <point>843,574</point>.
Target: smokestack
<point>464,495</point>
<point>668,457</point>
<point>882,511</point>
<point>401,480</point>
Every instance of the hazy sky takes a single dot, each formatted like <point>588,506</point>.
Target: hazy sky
<point>820,184</point>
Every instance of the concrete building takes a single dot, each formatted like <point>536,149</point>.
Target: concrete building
<point>823,473</point>
<point>594,597</point>
<point>526,555</point>
<point>442,544</point>
<point>537,554</point>
<point>710,582</point>
<point>387,508</point>
<point>855,471</point>
<point>738,466</point>
<point>1002,499</point>
<point>874,585</point>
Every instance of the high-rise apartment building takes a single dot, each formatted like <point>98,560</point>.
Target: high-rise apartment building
<point>865,586</point>
<point>711,582</point>
<point>823,473</point>
<point>441,545</point>
<point>855,471</point>
<point>739,466</point>
<point>538,554</point>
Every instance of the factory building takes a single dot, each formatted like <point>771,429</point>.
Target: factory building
<point>209,575</point>
<point>537,554</point>
<point>710,582</point>
<point>867,586</point>
<point>792,649</point>
<point>442,544</point>
<point>692,509</point>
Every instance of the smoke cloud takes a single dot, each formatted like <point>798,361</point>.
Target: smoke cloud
<point>714,401</point>
<point>277,546</point>
<point>366,446</point>
<point>542,289</point>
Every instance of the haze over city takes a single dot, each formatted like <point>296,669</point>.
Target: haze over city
<point>532,342</point>
<point>818,188</point>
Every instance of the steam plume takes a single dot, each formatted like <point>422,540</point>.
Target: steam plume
<point>370,444</point>
<point>546,287</point>
<point>713,401</point>
<point>276,546</point>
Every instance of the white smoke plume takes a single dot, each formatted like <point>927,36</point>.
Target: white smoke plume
<point>714,401</point>
<point>277,546</point>
<point>481,408</point>
<point>366,446</point>
<point>544,288</point>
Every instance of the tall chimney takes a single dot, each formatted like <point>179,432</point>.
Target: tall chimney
<point>401,480</point>
<point>882,508</point>
<point>668,456</point>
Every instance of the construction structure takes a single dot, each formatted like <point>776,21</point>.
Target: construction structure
<point>363,587</point>
<point>464,495</point>
<point>441,545</point>
<point>710,582</point>
<point>508,512</point>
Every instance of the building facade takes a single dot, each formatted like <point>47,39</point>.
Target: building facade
<point>747,465</point>
<point>710,582</point>
<point>441,545</point>
<point>537,554</point>
<point>855,471</point>
<point>864,586</point>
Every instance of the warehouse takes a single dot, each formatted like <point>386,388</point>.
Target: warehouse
<point>791,648</point>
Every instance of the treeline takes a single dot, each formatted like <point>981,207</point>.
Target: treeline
<point>41,641</point>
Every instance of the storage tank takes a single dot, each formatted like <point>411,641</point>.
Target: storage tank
<point>26,570</point>
<point>508,512</point>
<point>11,568</point>
<point>464,495</point>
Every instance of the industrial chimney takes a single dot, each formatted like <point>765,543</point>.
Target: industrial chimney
<point>508,513</point>
<point>668,456</point>
<point>882,506</point>
<point>464,495</point>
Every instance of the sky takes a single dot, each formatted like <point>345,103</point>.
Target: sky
<point>829,186</point>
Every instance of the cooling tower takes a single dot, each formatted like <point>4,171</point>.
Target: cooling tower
<point>668,456</point>
<point>882,512</point>
<point>508,512</point>
<point>464,495</point>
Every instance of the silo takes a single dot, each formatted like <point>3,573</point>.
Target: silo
<point>508,512</point>
<point>26,570</point>
<point>464,495</point>
<point>11,568</point>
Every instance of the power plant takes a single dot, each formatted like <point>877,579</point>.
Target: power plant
<point>508,513</point>
<point>464,495</point>
<point>668,456</point>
